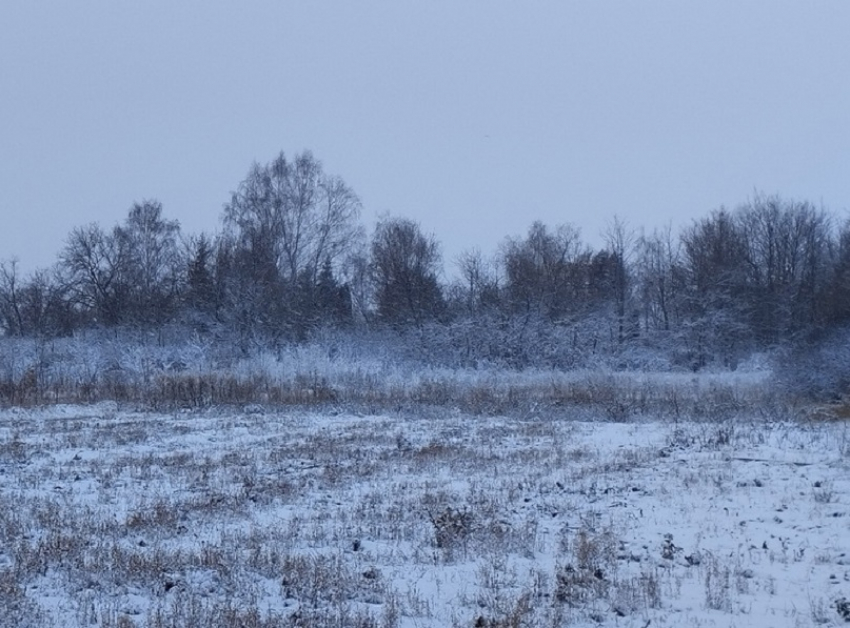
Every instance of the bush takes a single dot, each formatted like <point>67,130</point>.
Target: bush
<point>817,368</point>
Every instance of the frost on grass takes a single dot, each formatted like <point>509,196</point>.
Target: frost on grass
<point>120,518</point>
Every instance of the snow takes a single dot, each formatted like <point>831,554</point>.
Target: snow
<point>231,516</point>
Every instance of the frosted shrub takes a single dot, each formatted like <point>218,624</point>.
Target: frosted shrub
<point>819,370</point>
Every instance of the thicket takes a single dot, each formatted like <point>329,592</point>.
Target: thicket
<point>292,262</point>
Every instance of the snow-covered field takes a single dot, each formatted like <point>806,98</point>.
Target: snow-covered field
<point>254,517</point>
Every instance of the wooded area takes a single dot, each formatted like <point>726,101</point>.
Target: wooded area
<point>292,258</point>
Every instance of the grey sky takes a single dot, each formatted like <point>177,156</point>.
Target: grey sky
<point>474,118</point>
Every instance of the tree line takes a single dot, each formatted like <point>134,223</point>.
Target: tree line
<point>291,257</point>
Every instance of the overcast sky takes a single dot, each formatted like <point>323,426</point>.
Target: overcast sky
<point>473,118</point>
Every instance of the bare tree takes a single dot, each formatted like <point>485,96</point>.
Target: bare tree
<point>714,260</point>
<point>92,262</point>
<point>404,264</point>
<point>46,305</point>
<point>296,215</point>
<point>660,277</point>
<point>128,275</point>
<point>357,275</point>
<point>11,315</point>
<point>788,252</point>
<point>152,267</point>
<point>542,271</point>
<point>480,285</point>
<point>837,296</point>
<point>714,254</point>
<point>620,240</point>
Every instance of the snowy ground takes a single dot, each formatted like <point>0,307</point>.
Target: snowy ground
<point>432,518</point>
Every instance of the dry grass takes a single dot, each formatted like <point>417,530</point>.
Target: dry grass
<point>614,397</point>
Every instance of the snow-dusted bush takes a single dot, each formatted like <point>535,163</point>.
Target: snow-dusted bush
<point>817,369</point>
<point>374,371</point>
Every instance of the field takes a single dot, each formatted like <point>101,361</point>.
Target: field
<point>697,508</point>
